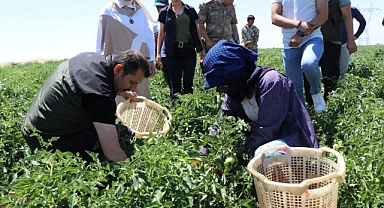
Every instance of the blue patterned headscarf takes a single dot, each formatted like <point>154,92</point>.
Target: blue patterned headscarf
<point>226,60</point>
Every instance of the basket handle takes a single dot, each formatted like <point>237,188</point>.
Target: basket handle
<point>300,188</point>
<point>340,162</point>
<point>339,176</point>
<point>141,97</point>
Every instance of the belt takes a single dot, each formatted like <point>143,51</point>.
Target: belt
<point>222,38</point>
<point>183,44</point>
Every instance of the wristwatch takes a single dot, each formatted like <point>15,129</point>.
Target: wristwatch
<point>300,33</point>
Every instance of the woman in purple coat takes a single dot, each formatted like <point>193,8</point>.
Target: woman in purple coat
<point>263,97</point>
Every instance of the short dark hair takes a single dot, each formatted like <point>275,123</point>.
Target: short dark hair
<point>132,61</point>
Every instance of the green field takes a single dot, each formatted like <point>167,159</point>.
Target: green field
<point>160,171</point>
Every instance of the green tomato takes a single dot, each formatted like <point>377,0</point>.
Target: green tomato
<point>229,161</point>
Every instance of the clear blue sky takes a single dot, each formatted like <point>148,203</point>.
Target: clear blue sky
<point>43,29</point>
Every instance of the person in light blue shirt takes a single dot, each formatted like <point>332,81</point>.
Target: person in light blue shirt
<point>344,55</point>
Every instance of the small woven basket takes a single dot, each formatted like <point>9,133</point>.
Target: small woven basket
<point>301,178</point>
<point>144,117</point>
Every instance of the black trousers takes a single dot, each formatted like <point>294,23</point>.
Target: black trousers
<point>330,70</point>
<point>181,69</point>
<point>78,142</point>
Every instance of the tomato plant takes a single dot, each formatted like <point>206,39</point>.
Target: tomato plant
<point>160,171</point>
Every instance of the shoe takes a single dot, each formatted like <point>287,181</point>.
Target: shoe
<point>319,103</point>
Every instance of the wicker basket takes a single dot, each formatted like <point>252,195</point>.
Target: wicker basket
<point>144,117</point>
<point>301,178</point>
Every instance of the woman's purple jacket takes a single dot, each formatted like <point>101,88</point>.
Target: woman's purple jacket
<point>281,114</point>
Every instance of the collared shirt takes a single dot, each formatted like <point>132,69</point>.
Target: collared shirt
<point>116,31</point>
<point>120,4</point>
<point>218,18</point>
<point>250,34</point>
<point>168,18</point>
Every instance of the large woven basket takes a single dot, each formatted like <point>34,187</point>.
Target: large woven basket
<point>144,117</point>
<point>301,178</point>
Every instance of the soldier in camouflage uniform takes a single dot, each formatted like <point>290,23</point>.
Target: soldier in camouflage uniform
<point>220,21</point>
<point>250,34</point>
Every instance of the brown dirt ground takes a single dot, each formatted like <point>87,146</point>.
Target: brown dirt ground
<point>31,61</point>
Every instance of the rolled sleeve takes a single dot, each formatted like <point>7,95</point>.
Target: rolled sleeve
<point>162,16</point>
<point>234,18</point>
<point>344,3</point>
<point>203,13</point>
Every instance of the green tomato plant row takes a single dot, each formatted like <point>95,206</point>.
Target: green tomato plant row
<point>169,171</point>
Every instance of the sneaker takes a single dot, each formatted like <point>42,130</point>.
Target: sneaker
<point>318,103</point>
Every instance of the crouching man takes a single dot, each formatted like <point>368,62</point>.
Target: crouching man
<point>77,103</point>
